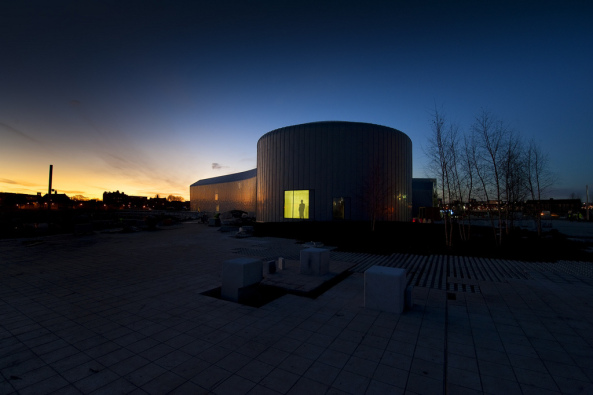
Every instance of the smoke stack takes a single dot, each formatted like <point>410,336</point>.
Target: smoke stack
<point>51,170</point>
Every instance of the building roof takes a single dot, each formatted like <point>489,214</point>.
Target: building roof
<point>245,175</point>
<point>350,125</point>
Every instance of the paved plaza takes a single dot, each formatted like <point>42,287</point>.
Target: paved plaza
<point>123,313</point>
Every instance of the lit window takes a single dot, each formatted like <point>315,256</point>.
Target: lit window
<point>338,208</point>
<point>296,204</point>
<point>216,196</point>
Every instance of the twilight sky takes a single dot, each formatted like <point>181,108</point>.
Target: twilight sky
<point>148,97</point>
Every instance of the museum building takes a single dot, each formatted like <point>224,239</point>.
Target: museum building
<point>319,171</point>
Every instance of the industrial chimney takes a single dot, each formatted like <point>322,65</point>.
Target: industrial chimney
<point>51,170</point>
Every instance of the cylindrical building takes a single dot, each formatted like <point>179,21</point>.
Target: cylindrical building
<point>327,171</point>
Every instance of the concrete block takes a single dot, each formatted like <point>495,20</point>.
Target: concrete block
<point>239,273</point>
<point>315,261</point>
<point>384,289</point>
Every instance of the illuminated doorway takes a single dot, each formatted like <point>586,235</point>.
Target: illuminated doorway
<point>296,204</point>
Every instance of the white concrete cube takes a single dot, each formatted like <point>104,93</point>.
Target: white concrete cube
<point>384,289</point>
<point>238,273</point>
<point>315,261</point>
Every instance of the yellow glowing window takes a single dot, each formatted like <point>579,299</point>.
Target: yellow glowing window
<point>296,204</point>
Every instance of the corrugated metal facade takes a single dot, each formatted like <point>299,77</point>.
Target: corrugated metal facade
<point>225,193</point>
<point>369,166</point>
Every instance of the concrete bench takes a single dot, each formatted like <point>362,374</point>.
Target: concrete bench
<point>239,273</point>
<point>384,289</point>
<point>315,261</point>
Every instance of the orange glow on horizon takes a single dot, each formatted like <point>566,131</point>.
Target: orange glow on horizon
<point>75,183</point>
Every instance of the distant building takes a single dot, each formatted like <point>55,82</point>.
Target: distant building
<point>319,171</point>
<point>119,199</point>
<point>225,193</point>
<point>555,206</point>
<point>21,201</point>
<point>116,198</point>
<point>423,193</point>
<point>57,201</point>
<point>156,203</point>
<point>13,201</point>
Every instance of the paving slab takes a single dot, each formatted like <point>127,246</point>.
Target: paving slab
<point>125,313</point>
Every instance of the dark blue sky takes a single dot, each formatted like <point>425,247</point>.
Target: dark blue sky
<point>145,96</point>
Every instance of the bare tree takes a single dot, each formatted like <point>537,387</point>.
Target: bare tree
<point>467,157</point>
<point>460,183</point>
<point>490,135</point>
<point>538,178</point>
<point>513,175</point>
<point>174,198</point>
<point>492,164</point>
<point>439,153</point>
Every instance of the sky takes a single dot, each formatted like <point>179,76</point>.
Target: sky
<point>148,97</point>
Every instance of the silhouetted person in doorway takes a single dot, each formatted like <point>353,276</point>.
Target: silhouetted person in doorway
<point>302,210</point>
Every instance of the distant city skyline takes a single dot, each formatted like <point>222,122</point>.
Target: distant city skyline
<point>147,98</point>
